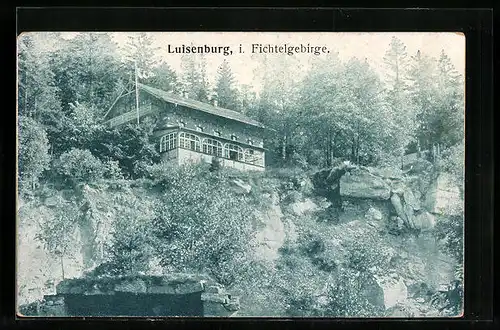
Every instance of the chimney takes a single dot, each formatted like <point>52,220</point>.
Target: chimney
<point>215,103</point>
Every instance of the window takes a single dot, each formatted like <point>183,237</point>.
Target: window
<point>199,128</point>
<point>168,142</point>
<point>217,133</point>
<point>234,137</point>
<point>212,147</point>
<point>189,141</point>
<point>234,152</point>
<point>250,142</point>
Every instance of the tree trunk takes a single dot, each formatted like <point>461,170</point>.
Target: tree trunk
<point>25,100</point>
<point>353,150</point>
<point>283,147</point>
<point>62,265</point>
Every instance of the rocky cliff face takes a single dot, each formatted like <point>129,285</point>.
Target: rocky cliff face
<point>381,219</point>
<point>385,211</point>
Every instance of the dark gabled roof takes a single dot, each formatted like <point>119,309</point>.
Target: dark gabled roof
<point>205,107</point>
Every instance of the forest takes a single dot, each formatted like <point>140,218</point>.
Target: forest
<point>329,112</point>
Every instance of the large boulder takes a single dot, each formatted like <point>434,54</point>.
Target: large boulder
<point>360,183</point>
<point>386,172</point>
<point>411,200</point>
<point>444,197</point>
<point>394,289</point>
<point>425,221</point>
<point>326,181</point>
<point>301,207</point>
<point>398,206</point>
<point>241,187</point>
<point>373,214</point>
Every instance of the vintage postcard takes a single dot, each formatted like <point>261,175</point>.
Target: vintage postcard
<point>240,174</point>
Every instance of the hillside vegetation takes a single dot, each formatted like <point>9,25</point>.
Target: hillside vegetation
<point>289,246</point>
<point>359,211</point>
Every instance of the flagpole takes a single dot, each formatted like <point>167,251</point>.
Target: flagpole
<point>136,93</point>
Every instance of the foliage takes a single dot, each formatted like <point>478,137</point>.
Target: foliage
<point>202,224</point>
<point>227,94</point>
<point>193,78</point>
<point>79,165</point>
<point>130,145</point>
<point>347,297</point>
<point>87,69</point>
<point>451,231</point>
<point>37,91</point>
<point>56,231</point>
<point>130,247</point>
<point>140,50</point>
<point>164,78</point>
<point>33,151</point>
<point>452,161</point>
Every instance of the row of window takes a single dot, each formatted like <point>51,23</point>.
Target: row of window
<point>209,146</point>
<point>200,128</point>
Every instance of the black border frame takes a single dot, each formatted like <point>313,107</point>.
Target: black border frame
<point>476,24</point>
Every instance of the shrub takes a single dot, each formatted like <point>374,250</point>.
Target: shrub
<point>348,296</point>
<point>79,165</point>
<point>201,224</point>
<point>453,161</point>
<point>33,151</point>
<point>451,231</point>
<point>112,170</point>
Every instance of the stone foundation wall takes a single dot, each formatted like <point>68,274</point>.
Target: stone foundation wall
<point>172,295</point>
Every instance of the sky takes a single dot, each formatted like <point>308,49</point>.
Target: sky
<point>366,45</point>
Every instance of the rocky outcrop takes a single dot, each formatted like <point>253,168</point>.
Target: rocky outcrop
<point>301,207</point>
<point>326,182</point>
<point>360,183</point>
<point>444,197</point>
<point>394,288</point>
<point>425,221</point>
<point>271,237</point>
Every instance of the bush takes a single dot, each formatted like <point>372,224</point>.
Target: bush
<point>451,231</point>
<point>79,165</point>
<point>130,245</point>
<point>202,225</point>
<point>112,170</point>
<point>453,161</point>
<point>33,152</point>
<point>348,296</point>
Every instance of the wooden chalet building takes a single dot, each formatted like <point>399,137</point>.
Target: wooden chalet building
<point>188,130</point>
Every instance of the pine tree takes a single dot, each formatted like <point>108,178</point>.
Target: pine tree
<point>450,86</point>
<point>140,49</point>
<point>193,79</point>
<point>164,78</point>
<point>37,95</point>
<point>402,112</point>
<point>227,96</point>
<point>87,69</point>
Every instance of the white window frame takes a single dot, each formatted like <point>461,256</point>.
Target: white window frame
<point>213,147</point>
<point>168,142</point>
<point>187,140</point>
<point>228,147</point>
